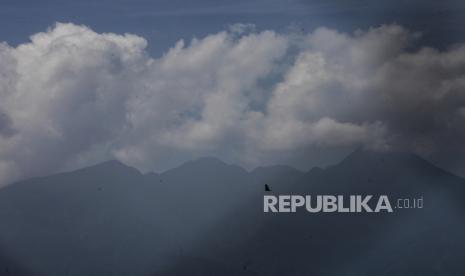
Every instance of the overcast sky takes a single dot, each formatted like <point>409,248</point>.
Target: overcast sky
<point>156,83</point>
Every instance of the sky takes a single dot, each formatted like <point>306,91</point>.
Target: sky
<point>157,83</point>
<point>163,22</point>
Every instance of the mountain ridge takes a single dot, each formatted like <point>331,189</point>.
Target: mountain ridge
<point>357,156</point>
<point>206,217</point>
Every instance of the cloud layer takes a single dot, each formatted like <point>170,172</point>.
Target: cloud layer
<point>72,97</point>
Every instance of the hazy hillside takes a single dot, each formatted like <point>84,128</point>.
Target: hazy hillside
<point>426,241</point>
<point>205,218</point>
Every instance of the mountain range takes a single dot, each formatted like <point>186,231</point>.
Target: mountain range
<point>206,217</point>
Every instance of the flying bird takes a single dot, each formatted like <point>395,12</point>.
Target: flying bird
<point>246,265</point>
<point>267,188</point>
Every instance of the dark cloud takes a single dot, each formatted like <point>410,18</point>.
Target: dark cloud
<point>6,126</point>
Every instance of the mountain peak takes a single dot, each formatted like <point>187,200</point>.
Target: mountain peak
<point>393,161</point>
<point>205,161</point>
<point>206,164</point>
<point>110,167</point>
<point>113,163</point>
<point>275,170</point>
<point>209,159</point>
<point>370,155</point>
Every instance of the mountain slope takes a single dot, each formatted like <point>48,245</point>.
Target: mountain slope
<point>426,241</point>
<point>205,217</point>
<point>88,221</point>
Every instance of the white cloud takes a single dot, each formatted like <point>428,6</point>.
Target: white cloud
<point>72,97</point>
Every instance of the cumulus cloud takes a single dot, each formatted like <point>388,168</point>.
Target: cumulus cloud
<point>72,97</point>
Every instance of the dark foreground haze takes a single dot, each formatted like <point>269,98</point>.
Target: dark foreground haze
<point>206,217</point>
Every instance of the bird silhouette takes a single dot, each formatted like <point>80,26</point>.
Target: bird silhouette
<point>267,188</point>
<point>246,265</point>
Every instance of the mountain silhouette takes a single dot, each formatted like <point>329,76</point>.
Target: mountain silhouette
<point>206,217</point>
<point>426,241</point>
